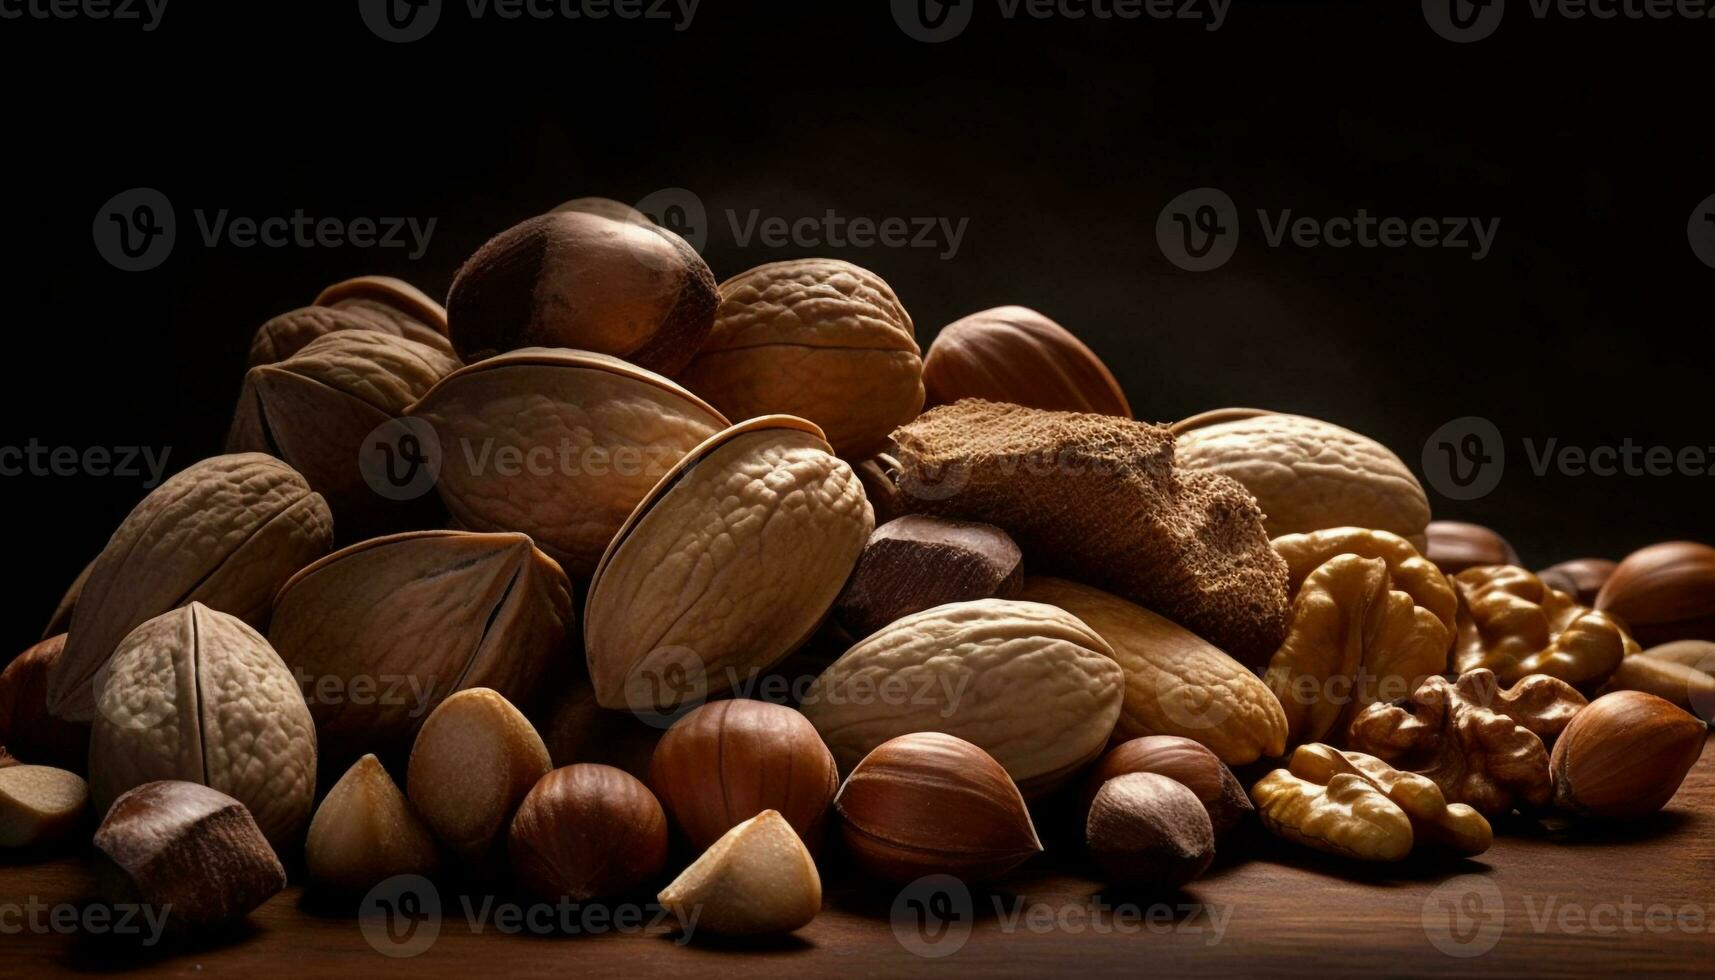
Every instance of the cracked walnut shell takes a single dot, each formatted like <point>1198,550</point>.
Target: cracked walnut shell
<point>1513,624</point>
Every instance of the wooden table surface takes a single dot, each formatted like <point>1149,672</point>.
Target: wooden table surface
<point>1563,901</point>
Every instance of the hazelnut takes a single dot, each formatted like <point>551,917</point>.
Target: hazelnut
<point>587,832</point>
<point>757,879</point>
<point>39,804</point>
<point>929,803</point>
<point>26,727</point>
<point>1183,761</point>
<point>1581,578</point>
<point>1664,592</point>
<point>1148,830</point>
<point>586,281</point>
<point>916,562</point>
<point>1014,354</point>
<point>191,851</point>
<point>1455,546</point>
<point>727,761</point>
<point>474,760</point>
<point>365,832</point>
<point>1624,756</point>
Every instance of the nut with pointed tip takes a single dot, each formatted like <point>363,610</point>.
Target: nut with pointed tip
<point>757,879</point>
<point>473,762</point>
<point>365,832</point>
<point>39,805</point>
<point>1183,761</point>
<point>1148,830</point>
<point>1625,756</point>
<point>190,850</point>
<point>929,803</point>
<point>727,761</point>
<point>586,832</point>
<point>1015,354</point>
<point>1664,592</point>
<point>1581,578</point>
<point>916,562</point>
<point>1455,546</point>
<point>25,724</point>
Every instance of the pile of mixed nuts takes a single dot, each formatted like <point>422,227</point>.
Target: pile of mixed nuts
<point>1062,611</point>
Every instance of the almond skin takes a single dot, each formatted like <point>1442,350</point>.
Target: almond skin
<point>1624,756</point>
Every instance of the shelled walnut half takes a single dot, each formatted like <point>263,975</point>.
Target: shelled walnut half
<point>1513,624</point>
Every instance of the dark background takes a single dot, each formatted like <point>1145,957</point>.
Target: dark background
<point>1059,140</point>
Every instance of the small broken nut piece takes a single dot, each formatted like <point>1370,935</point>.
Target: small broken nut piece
<point>1455,546</point>
<point>365,832</point>
<point>1479,744</point>
<point>190,850</point>
<point>756,879</point>
<point>474,760</point>
<point>1451,827</point>
<point>1513,624</point>
<point>1346,816</point>
<point>586,832</point>
<point>1625,756</point>
<point>1183,761</point>
<point>917,561</point>
<point>1148,830</point>
<point>1015,354</point>
<point>39,805</point>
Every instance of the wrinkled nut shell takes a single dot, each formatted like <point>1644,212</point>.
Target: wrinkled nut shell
<point>26,727</point>
<point>586,832</point>
<point>39,805</point>
<point>1664,592</point>
<point>757,879</point>
<point>390,298</point>
<point>1185,762</point>
<point>1148,830</point>
<point>917,562</point>
<point>1625,756</point>
<point>291,332</point>
<point>1014,354</point>
<point>365,832</point>
<point>1455,546</point>
<point>472,764</point>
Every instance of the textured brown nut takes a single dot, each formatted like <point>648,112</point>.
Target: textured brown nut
<point>1683,685</point>
<point>1513,624</point>
<point>224,532</point>
<point>1664,592</point>
<point>1147,830</point>
<point>1625,756</point>
<point>381,632</point>
<point>930,803</point>
<point>365,832</point>
<point>727,761</point>
<point>315,409</point>
<point>1450,827</point>
<point>26,727</point>
<point>61,620</point>
<point>1185,762</point>
<point>558,444</point>
<point>1215,416</point>
<point>817,338</point>
<point>1029,684</point>
<point>1347,816</point>
<point>199,696</point>
<point>729,564</point>
<point>1014,354</point>
<point>390,299</point>
<point>1099,500</point>
<point>757,879</point>
<point>916,562</point>
<point>474,760</point>
<point>39,805</point>
<point>587,832</point>
<point>1581,578</point>
<point>190,853</point>
<point>290,332</point>
<point>1482,746</point>
<point>585,281</point>
<point>1308,474</point>
<point>1455,546</point>
<point>1176,683</point>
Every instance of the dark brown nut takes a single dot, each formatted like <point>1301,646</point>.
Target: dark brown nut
<point>879,476</point>
<point>1014,354</point>
<point>226,532</point>
<point>1684,685</point>
<point>585,281</point>
<point>1100,500</point>
<point>1664,592</point>
<point>1581,578</point>
<point>365,832</point>
<point>1625,756</point>
<point>587,832</point>
<point>1477,743</point>
<point>39,805</point>
<point>817,338</point>
<point>1513,624</point>
<point>1183,761</point>
<point>189,852</point>
<point>916,562</point>
<point>390,299</point>
<point>290,332</point>
<point>26,727</point>
<point>315,409</point>
<point>61,620</point>
<point>930,803</point>
<point>727,761</point>
<point>1452,828</point>
<point>474,760</point>
<point>1455,546</point>
<point>1149,831</point>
